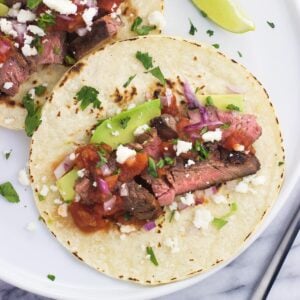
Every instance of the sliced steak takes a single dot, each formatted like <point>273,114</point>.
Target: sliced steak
<point>102,29</point>
<point>165,126</point>
<point>108,6</point>
<point>151,143</point>
<point>82,188</point>
<point>15,70</point>
<point>141,203</point>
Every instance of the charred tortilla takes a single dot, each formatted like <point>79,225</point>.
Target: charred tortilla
<point>13,114</point>
<point>65,126</point>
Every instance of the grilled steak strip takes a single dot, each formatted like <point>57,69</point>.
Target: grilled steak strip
<point>141,203</point>
<point>101,30</point>
<point>166,127</point>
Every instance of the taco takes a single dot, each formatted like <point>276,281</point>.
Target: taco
<point>39,40</point>
<point>156,160</point>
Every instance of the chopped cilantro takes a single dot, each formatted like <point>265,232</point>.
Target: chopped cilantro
<point>140,29</point>
<point>271,24</point>
<point>32,4</point>
<point>222,221</point>
<point>152,167</point>
<point>193,29</point>
<point>280,163</point>
<point>209,101</point>
<point>51,277</point>
<point>69,60</point>
<point>124,122</point>
<point>210,32</point>
<point>240,54</point>
<point>102,157</point>
<point>145,59</point>
<point>56,50</point>
<point>40,90</point>
<point>225,126</point>
<point>203,13</point>
<point>9,193</point>
<point>172,215</point>
<point>169,160</point>
<point>156,72</point>
<point>219,223</point>
<point>7,154</point>
<point>152,255</point>
<point>45,20</point>
<point>41,197</point>
<point>201,150</point>
<point>88,95</point>
<point>126,84</point>
<point>37,43</point>
<point>161,163</point>
<point>217,46</point>
<point>233,107</point>
<point>203,130</point>
<point>33,118</point>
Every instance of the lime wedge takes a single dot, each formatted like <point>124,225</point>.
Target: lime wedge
<point>226,14</point>
<point>3,10</point>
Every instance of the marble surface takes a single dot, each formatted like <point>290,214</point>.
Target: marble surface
<point>238,280</point>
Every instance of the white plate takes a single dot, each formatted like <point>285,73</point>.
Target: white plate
<point>271,54</point>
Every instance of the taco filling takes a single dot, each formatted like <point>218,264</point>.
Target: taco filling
<point>35,33</point>
<point>155,155</point>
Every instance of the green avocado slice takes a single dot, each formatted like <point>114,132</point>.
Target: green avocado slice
<point>120,128</point>
<point>66,184</point>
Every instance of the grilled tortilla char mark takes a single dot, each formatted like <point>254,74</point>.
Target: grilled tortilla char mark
<point>165,126</point>
<point>102,29</point>
<point>14,70</point>
<point>141,203</point>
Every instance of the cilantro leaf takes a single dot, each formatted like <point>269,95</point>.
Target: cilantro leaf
<point>69,60</point>
<point>37,43</point>
<point>209,101</point>
<point>210,32</point>
<point>145,59</point>
<point>40,90</point>
<point>51,277</point>
<point>271,24</point>
<point>152,168</point>
<point>217,46</point>
<point>45,20</point>
<point>152,256</point>
<point>219,223</point>
<point>203,13</point>
<point>172,215</point>
<point>280,163</point>
<point>9,193</point>
<point>161,163</point>
<point>126,84</point>
<point>33,118</point>
<point>124,122</point>
<point>193,29</point>
<point>32,4</point>
<point>140,29</point>
<point>7,154</point>
<point>156,72</point>
<point>233,107</point>
<point>102,157</point>
<point>88,95</point>
<point>202,151</point>
<point>240,54</point>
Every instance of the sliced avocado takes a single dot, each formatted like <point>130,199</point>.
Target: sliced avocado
<point>66,184</point>
<point>120,128</point>
<point>3,9</point>
<point>224,102</point>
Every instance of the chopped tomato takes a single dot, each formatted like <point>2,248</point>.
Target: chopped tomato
<point>183,122</point>
<point>133,166</point>
<point>171,109</point>
<point>88,219</point>
<point>6,49</point>
<point>112,181</point>
<point>108,6</point>
<point>161,172</point>
<point>238,138</point>
<point>87,157</point>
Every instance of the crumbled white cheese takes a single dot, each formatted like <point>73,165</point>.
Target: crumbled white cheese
<point>14,10</point>
<point>189,163</point>
<point>77,198</point>
<point>25,16</point>
<point>65,7</point>
<point>36,30</point>
<point>176,215</point>
<point>32,93</point>
<point>8,121</point>
<point>81,173</point>
<point>127,228</point>
<point>141,130</point>
<point>157,19</point>
<point>6,27</point>
<point>183,147</point>
<point>17,45</point>
<point>58,201</point>
<point>8,85</point>
<point>31,226</point>
<point>123,153</point>
<point>212,136</point>
<point>44,179</point>
<point>88,16</point>
<point>173,206</point>
<point>53,188</point>
<point>219,199</point>
<point>44,191</point>
<point>29,51</point>
<point>63,210</point>
<point>72,156</point>
<point>202,218</point>
<point>188,199</point>
<point>242,187</point>
<point>23,177</point>
<point>115,133</point>
<point>258,180</point>
<point>122,237</point>
<point>172,244</point>
<point>94,184</point>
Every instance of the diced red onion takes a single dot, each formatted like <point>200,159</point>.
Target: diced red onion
<point>210,191</point>
<point>181,206</point>
<point>103,186</point>
<point>194,116</point>
<point>108,205</point>
<point>124,190</point>
<point>150,225</point>
<point>106,171</point>
<point>21,30</point>
<point>167,99</point>
<point>65,166</point>
<point>200,125</point>
<point>4,47</point>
